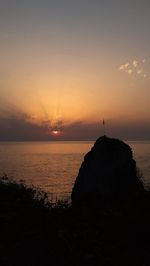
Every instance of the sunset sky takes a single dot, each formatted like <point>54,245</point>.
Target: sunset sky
<point>65,65</point>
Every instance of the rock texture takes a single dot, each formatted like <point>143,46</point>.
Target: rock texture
<point>108,170</point>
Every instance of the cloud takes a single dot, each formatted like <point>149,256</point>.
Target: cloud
<point>21,127</point>
<point>18,125</point>
<point>134,67</point>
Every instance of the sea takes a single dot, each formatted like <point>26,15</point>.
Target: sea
<point>53,166</point>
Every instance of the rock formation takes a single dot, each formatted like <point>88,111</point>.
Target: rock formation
<point>108,170</point>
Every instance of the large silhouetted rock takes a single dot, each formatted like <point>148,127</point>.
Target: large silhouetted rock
<point>108,170</point>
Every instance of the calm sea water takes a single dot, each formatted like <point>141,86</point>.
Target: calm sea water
<point>53,166</point>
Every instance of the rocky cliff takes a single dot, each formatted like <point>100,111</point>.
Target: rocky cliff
<point>108,170</point>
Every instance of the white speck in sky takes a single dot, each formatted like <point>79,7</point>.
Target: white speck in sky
<point>126,65</point>
<point>135,63</point>
<point>121,67</point>
<point>130,71</point>
<point>139,71</point>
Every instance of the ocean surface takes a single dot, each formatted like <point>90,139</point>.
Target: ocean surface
<point>53,166</point>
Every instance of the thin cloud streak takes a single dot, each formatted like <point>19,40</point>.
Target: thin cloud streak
<point>22,127</point>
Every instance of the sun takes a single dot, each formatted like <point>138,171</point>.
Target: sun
<point>55,132</point>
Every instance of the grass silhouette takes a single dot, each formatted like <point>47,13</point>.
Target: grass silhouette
<point>35,231</point>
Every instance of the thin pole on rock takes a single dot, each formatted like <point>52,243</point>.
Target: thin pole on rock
<point>104,128</point>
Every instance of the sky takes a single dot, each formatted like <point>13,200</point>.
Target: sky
<point>66,65</point>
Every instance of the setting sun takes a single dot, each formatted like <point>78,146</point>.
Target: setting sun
<point>55,132</point>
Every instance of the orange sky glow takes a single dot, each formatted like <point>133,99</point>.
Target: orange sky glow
<point>74,68</point>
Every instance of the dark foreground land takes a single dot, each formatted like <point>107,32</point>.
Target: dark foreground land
<point>34,232</point>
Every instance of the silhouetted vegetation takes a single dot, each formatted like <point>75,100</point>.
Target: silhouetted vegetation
<point>37,232</point>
